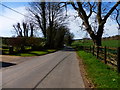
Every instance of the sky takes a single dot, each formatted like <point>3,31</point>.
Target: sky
<point>8,18</point>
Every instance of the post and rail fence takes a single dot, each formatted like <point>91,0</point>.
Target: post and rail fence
<point>107,54</point>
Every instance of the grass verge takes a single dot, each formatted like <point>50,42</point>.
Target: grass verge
<point>35,53</point>
<point>101,75</point>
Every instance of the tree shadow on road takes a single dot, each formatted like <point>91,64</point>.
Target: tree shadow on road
<point>6,64</point>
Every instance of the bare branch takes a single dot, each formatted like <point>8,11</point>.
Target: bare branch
<point>84,15</point>
<point>117,18</point>
<point>111,10</point>
<point>99,13</point>
<point>74,6</point>
<point>90,9</point>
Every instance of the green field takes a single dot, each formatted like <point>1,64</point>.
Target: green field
<point>108,43</point>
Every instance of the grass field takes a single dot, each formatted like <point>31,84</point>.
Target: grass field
<point>102,76</point>
<point>108,43</point>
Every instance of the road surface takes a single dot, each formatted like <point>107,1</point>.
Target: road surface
<point>55,70</point>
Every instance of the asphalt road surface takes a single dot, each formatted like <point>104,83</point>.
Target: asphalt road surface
<point>55,70</point>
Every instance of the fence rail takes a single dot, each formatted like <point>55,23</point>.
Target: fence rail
<point>107,54</point>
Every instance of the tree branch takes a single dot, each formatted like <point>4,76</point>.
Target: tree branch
<point>117,18</point>
<point>99,13</point>
<point>74,6</point>
<point>90,9</point>
<point>110,11</point>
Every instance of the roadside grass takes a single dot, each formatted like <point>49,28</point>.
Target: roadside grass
<point>28,51</point>
<point>51,50</point>
<point>102,76</point>
<point>35,53</point>
<point>6,51</point>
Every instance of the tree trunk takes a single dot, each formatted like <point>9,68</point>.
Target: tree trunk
<point>100,19</point>
<point>43,6</point>
<point>22,48</point>
<point>31,28</point>
<point>98,41</point>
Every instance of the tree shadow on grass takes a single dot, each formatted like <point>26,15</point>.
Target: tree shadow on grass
<point>45,52</point>
<point>36,54</point>
<point>6,64</point>
<point>33,53</point>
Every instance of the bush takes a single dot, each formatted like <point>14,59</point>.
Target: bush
<point>21,42</point>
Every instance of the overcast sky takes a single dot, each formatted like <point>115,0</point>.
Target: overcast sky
<point>8,18</point>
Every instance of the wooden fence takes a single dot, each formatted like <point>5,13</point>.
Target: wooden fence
<point>107,54</point>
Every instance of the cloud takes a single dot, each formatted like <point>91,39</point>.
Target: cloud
<point>111,28</point>
<point>74,23</point>
<point>8,18</point>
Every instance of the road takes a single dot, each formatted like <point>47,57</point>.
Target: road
<point>55,70</point>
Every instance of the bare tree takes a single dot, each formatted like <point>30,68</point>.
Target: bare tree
<point>100,10</point>
<point>18,30</point>
<point>118,18</point>
<point>25,29</point>
<point>37,11</point>
<point>56,19</point>
<point>32,29</point>
<point>48,16</point>
<point>22,30</point>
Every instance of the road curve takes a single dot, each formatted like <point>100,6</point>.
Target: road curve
<point>55,70</point>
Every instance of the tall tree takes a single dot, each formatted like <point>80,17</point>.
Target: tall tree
<point>32,29</point>
<point>102,12</point>
<point>18,30</point>
<point>47,15</point>
<point>25,29</point>
<point>37,11</point>
<point>22,30</point>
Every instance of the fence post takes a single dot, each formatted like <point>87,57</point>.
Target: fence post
<point>93,49</point>
<point>118,59</point>
<point>84,48</point>
<point>90,48</point>
<point>105,54</point>
<point>97,51</point>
